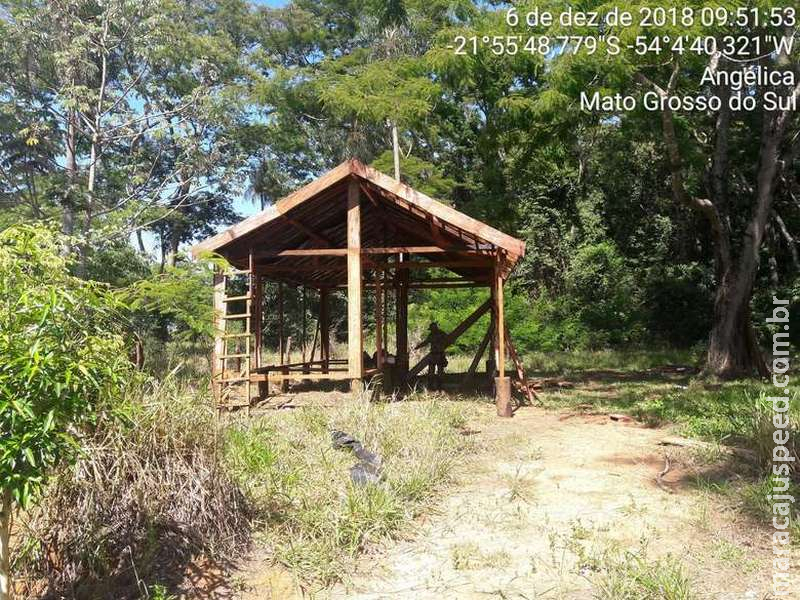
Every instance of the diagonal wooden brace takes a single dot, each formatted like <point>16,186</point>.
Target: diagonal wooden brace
<point>452,336</point>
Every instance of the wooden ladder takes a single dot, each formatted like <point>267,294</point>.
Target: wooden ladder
<point>232,386</point>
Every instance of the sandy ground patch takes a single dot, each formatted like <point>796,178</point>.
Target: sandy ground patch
<point>537,509</point>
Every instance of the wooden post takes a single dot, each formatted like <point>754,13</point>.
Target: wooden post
<point>284,384</point>
<point>502,383</point>
<point>304,341</point>
<point>257,301</point>
<point>491,358</point>
<point>385,313</point>
<point>258,315</point>
<point>280,322</point>
<point>324,330</point>
<point>355,341</point>
<point>378,324</point>
<point>500,328</point>
<point>401,322</point>
<point>217,363</point>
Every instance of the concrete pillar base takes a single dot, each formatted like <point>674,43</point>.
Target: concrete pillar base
<point>502,396</point>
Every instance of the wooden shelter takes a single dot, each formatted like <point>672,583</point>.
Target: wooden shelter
<point>357,229</point>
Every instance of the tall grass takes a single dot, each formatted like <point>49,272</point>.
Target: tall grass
<point>145,498</point>
<point>310,513</point>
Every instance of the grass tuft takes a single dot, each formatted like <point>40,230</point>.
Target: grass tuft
<point>310,513</point>
<point>634,576</point>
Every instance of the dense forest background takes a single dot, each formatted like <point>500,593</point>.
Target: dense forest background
<point>140,127</point>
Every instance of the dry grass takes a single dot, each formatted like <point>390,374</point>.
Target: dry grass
<point>311,516</point>
<point>145,498</point>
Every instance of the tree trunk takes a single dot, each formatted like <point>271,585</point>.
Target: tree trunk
<point>71,169</point>
<point>733,347</point>
<point>5,550</point>
<point>140,241</point>
<point>733,350</point>
<point>174,243</point>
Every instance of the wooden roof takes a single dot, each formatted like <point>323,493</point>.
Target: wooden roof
<point>287,239</point>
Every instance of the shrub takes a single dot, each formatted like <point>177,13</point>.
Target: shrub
<point>63,358</point>
<point>603,294</point>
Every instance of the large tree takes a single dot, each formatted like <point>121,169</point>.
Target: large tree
<point>726,165</point>
<point>122,114</point>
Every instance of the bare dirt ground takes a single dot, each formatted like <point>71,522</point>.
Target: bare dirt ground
<point>537,511</point>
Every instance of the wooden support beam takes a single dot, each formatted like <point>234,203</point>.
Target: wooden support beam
<point>342,252</point>
<point>512,351</point>
<point>445,264</point>
<point>453,335</point>
<point>258,328</point>
<point>500,324</point>
<point>219,332</point>
<point>303,326</point>
<point>324,328</point>
<point>301,252</point>
<point>502,383</point>
<point>385,313</point>
<point>422,285</point>
<point>314,342</point>
<point>355,341</point>
<point>378,324</point>
<point>280,322</point>
<point>267,269</point>
<point>286,376</point>
<point>421,250</point>
<point>401,320</point>
<point>309,232</point>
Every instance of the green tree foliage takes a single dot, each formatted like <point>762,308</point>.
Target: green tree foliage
<point>121,115</point>
<point>63,357</point>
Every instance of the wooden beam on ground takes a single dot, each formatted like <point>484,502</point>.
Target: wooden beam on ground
<point>355,341</point>
<point>453,336</point>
